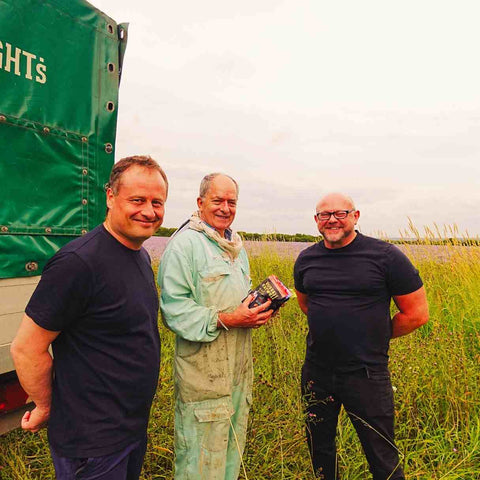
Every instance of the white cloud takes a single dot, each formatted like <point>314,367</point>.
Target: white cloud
<point>295,99</point>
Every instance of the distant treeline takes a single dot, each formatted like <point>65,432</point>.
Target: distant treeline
<point>273,237</point>
<point>165,232</point>
<point>302,237</point>
<point>279,237</point>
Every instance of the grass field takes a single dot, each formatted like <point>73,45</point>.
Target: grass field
<point>435,372</point>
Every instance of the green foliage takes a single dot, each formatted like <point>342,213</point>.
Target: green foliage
<point>269,237</point>
<point>279,237</point>
<point>165,232</point>
<point>435,372</point>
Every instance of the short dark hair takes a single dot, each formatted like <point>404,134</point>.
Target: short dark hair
<point>145,161</point>
<point>207,181</point>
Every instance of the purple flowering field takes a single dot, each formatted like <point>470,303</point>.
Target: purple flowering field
<point>156,246</point>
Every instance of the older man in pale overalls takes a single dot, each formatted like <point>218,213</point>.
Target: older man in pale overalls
<point>204,277</point>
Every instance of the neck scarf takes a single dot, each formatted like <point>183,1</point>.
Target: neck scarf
<point>232,247</point>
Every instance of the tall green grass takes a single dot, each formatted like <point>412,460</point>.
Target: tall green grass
<point>435,372</point>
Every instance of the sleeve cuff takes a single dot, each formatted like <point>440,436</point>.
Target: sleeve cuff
<point>212,327</point>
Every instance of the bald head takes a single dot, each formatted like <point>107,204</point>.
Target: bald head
<point>336,218</point>
<point>339,200</point>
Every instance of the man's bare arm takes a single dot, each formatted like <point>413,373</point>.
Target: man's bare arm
<point>413,312</point>
<point>34,369</point>
<point>302,301</point>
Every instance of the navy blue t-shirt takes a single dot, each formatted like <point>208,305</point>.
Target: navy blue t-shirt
<point>349,292</point>
<point>102,297</point>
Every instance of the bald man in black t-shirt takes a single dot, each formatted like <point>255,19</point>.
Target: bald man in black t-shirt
<point>345,285</point>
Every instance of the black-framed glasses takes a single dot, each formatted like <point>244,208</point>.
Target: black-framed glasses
<point>338,214</point>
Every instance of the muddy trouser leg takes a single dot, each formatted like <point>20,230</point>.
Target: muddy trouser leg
<point>367,396</point>
<point>238,432</point>
<point>201,439</point>
<point>322,411</point>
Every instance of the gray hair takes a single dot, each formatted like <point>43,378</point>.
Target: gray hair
<point>207,181</point>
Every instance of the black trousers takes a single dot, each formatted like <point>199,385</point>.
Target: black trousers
<point>125,464</point>
<point>367,397</point>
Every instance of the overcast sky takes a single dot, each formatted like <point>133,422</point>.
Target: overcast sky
<point>298,98</point>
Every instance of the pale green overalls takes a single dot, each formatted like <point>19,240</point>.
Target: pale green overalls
<point>213,367</point>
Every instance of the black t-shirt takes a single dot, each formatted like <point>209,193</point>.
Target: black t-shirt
<point>102,296</point>
<point>349,292</point>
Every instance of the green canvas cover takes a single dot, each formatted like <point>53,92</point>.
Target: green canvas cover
<point>60,64</point>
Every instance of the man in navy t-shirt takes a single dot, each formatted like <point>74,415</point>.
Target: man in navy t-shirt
<point>344,285</point>
<point>97,306</point>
